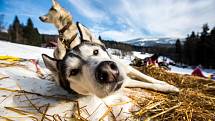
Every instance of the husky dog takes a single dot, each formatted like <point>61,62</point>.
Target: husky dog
<point>87,69</point>
<point>62,20</point>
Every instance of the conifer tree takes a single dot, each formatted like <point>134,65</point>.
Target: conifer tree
<point>15,31</point>
<point>178,51</point>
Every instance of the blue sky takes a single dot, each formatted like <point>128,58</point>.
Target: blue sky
<point>120,19</point>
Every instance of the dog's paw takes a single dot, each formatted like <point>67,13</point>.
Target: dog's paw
<point>172,88</point>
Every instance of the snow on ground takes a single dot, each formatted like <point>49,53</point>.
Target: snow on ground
<point>128,58</point>
<point>189,70</point>
<point>118,54</point>
<point>24,51</point>
<point>174,69</point>
<point>24,77</point>
<point>140,55</point>
<point>31,52</point>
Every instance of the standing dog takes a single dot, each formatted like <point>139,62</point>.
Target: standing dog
<point>62,20</point>
<point>87,69</point>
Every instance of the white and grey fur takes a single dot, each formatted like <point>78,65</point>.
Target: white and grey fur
<point>78,72</point>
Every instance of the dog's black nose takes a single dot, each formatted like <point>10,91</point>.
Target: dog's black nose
<point>107,72</point>
<point>42,19</point>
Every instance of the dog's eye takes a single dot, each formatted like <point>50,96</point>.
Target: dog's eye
<point>74,72</point>
<point>95,52</point>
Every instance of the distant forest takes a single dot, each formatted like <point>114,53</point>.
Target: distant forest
<point>197,49</point>
<point>28,34</point>
<point>20,33</point>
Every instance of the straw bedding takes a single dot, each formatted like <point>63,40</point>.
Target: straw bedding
<point>195,102</point>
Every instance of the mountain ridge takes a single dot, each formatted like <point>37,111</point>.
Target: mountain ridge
<point>147,42</point>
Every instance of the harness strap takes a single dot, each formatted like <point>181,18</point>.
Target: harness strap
<point>61,31</point>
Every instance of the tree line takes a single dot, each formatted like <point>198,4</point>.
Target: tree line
<point>198,48</point>
<point>24,34</point>
<point>1,22</point>
<point>28,34</point>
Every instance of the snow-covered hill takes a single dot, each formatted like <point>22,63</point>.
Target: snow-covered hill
<point>152,41</point>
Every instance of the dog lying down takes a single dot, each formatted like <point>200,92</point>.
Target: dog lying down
<point>89,70</point>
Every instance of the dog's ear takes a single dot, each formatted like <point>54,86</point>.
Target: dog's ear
<point>87,35</point>
<point>50,63</point>
<point>54,2</point>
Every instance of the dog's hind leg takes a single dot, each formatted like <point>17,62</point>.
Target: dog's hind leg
<point>131,72</point>
<point>140,76</point>
<point>144,80</point>
<point>157,87</point>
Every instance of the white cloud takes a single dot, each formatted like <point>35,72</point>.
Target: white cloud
<point>86,8</point>
<point>119,35</point>
<point>167,17</point>
<point>125,19</point>
<point>111,34</point>
<point>174,18</point>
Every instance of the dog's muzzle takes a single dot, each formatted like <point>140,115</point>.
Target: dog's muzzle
<point>107,72</point>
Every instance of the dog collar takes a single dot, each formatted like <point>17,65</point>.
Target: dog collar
<point>61,31</point>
